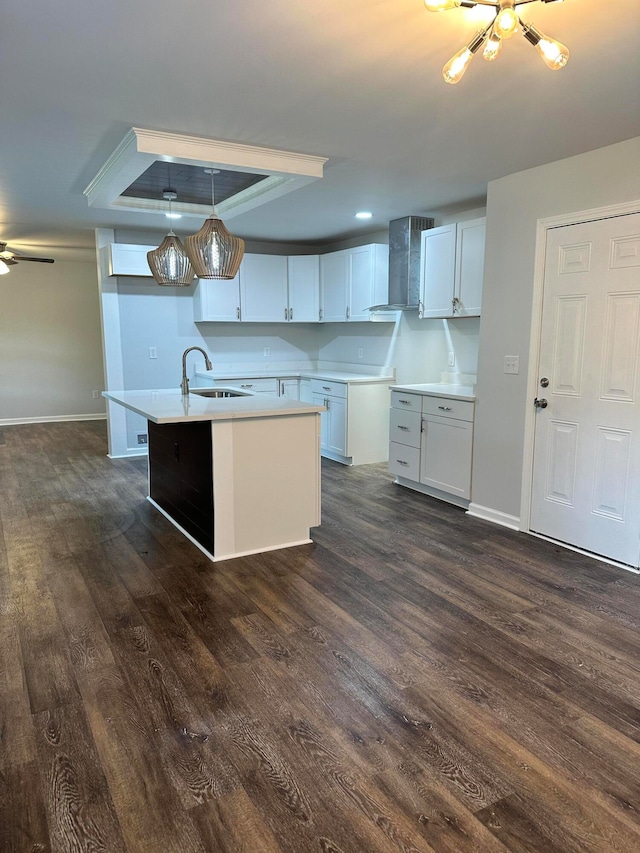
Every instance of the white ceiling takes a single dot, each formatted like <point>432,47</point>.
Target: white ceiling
<point>358,82</point>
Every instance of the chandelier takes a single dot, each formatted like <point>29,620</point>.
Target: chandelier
<point>169,263</point>
<point>505,24</point>
<point>214,252</point>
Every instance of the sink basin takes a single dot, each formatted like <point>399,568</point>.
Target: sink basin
<point>219,392</point>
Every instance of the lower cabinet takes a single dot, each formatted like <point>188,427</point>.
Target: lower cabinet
<point>181,476</point>
<point>431,444</point>
<point>289,388</point>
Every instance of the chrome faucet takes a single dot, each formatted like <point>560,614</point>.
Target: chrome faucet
<point>184,387</point>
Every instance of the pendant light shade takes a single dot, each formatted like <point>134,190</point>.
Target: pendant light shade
<point>214,252</point>
<point>169,263</point>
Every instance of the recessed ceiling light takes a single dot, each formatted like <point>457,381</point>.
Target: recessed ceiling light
<point>364,214</point>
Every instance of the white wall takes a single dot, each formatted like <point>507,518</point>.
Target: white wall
<point>50,350</point>
<point>514,205</point>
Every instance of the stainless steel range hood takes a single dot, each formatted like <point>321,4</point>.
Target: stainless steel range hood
<point>404,263</point>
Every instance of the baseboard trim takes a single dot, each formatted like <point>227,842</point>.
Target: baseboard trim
<point>51,419</point>
<point>494,515</point>
<point>131,454</point>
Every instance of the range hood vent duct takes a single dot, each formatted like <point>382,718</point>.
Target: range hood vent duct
<point>404,263</point>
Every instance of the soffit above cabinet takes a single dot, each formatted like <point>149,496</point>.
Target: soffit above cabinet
<point>147,161</point>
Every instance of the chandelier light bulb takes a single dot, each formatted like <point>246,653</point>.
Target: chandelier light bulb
<point>554,54</point>
<point>492,47</point>
<point>454,70</point>
<point>441,5</point>
<point>506,22</point>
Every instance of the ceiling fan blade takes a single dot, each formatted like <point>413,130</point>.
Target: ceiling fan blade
<point>37,260</point>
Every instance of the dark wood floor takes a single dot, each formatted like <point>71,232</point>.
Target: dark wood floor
<point>415,680</point>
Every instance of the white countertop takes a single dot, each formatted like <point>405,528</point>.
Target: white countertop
<point>329,375</point>
<point>439,389</point>
<point>169,406</point>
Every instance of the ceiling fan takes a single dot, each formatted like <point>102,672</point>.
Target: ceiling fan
<point>9,259</point>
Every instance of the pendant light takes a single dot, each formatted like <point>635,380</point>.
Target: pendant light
<point>169,263</point>
<point>214,251</point>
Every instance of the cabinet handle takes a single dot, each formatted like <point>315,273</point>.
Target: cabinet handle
<point>420,310</point>
<point>286,314</point>
<point>320,312</point>
<point>406,402</point>
<point>326,402</point>
<point>238,313</point>
<point>401,462</point>
<point>326,388</point>
<point>445,408</point>
<point>246,386</point>
<point>290,313</point>
<point>348,312</point>
<point>455,302</point>
<point>403,428</point>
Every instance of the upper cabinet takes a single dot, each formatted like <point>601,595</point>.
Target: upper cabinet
<point>351,281</point>
<point>128,259</point>
<point>304,288</point>
<point>452,262</point>
<point>263,289</point>
<point>267,289</point>
<point>217,300</point>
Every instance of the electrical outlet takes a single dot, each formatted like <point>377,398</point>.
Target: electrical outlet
<point>452,359</point>
<point>512,364</point>
<point>142,438</point>
<point>360,352</point>
<point>153,352</point>
<point>96,395</point>
<point>267,352</point>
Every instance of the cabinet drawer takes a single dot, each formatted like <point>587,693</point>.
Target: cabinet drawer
<point>258,386</point>
<point>404,427</point>
<point>335,389</point>
<point>404,461</point>
<point>408,402</point>
<point>462,410</point>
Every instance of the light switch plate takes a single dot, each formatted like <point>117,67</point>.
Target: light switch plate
<point>451,362</point>
<point>153,352</point>
<point>512,364</point>
<point>267,352</point>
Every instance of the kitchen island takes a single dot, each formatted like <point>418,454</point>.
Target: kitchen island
<point>237,475</point>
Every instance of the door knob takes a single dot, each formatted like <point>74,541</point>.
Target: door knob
<point>540,403</point>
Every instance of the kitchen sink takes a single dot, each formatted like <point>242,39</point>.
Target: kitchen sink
<point>219,392</point>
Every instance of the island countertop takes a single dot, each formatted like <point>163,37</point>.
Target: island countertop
<point>169,406</point>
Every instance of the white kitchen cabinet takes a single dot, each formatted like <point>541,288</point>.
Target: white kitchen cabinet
<point>217,300</point>
<point>263,289</point>
<point>303,288</point>
<point>289,388</point>
<point>306,394</point>
<point>451,272</point>
<point>129,259</point>
<point>431,445</point>
<point>334,286</point>
<point>352,280</point>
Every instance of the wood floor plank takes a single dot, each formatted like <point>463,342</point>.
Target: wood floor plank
<point>412,680</point>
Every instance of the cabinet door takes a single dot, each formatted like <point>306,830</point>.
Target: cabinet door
<point>304,288</point>
<point>445,455</point>
<point>319,400</point>
<point>437,271</point>
<point>334,286</point>
<point>360,283</point>
<point>470,242</point>
<point>306,393</point>
<point>217,300</point>
<point>337,425</point>
<point>129,259</point>
<point>263,288</point>
<point>289,388</point>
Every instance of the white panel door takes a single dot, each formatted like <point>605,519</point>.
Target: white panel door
<point>586,472</point>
